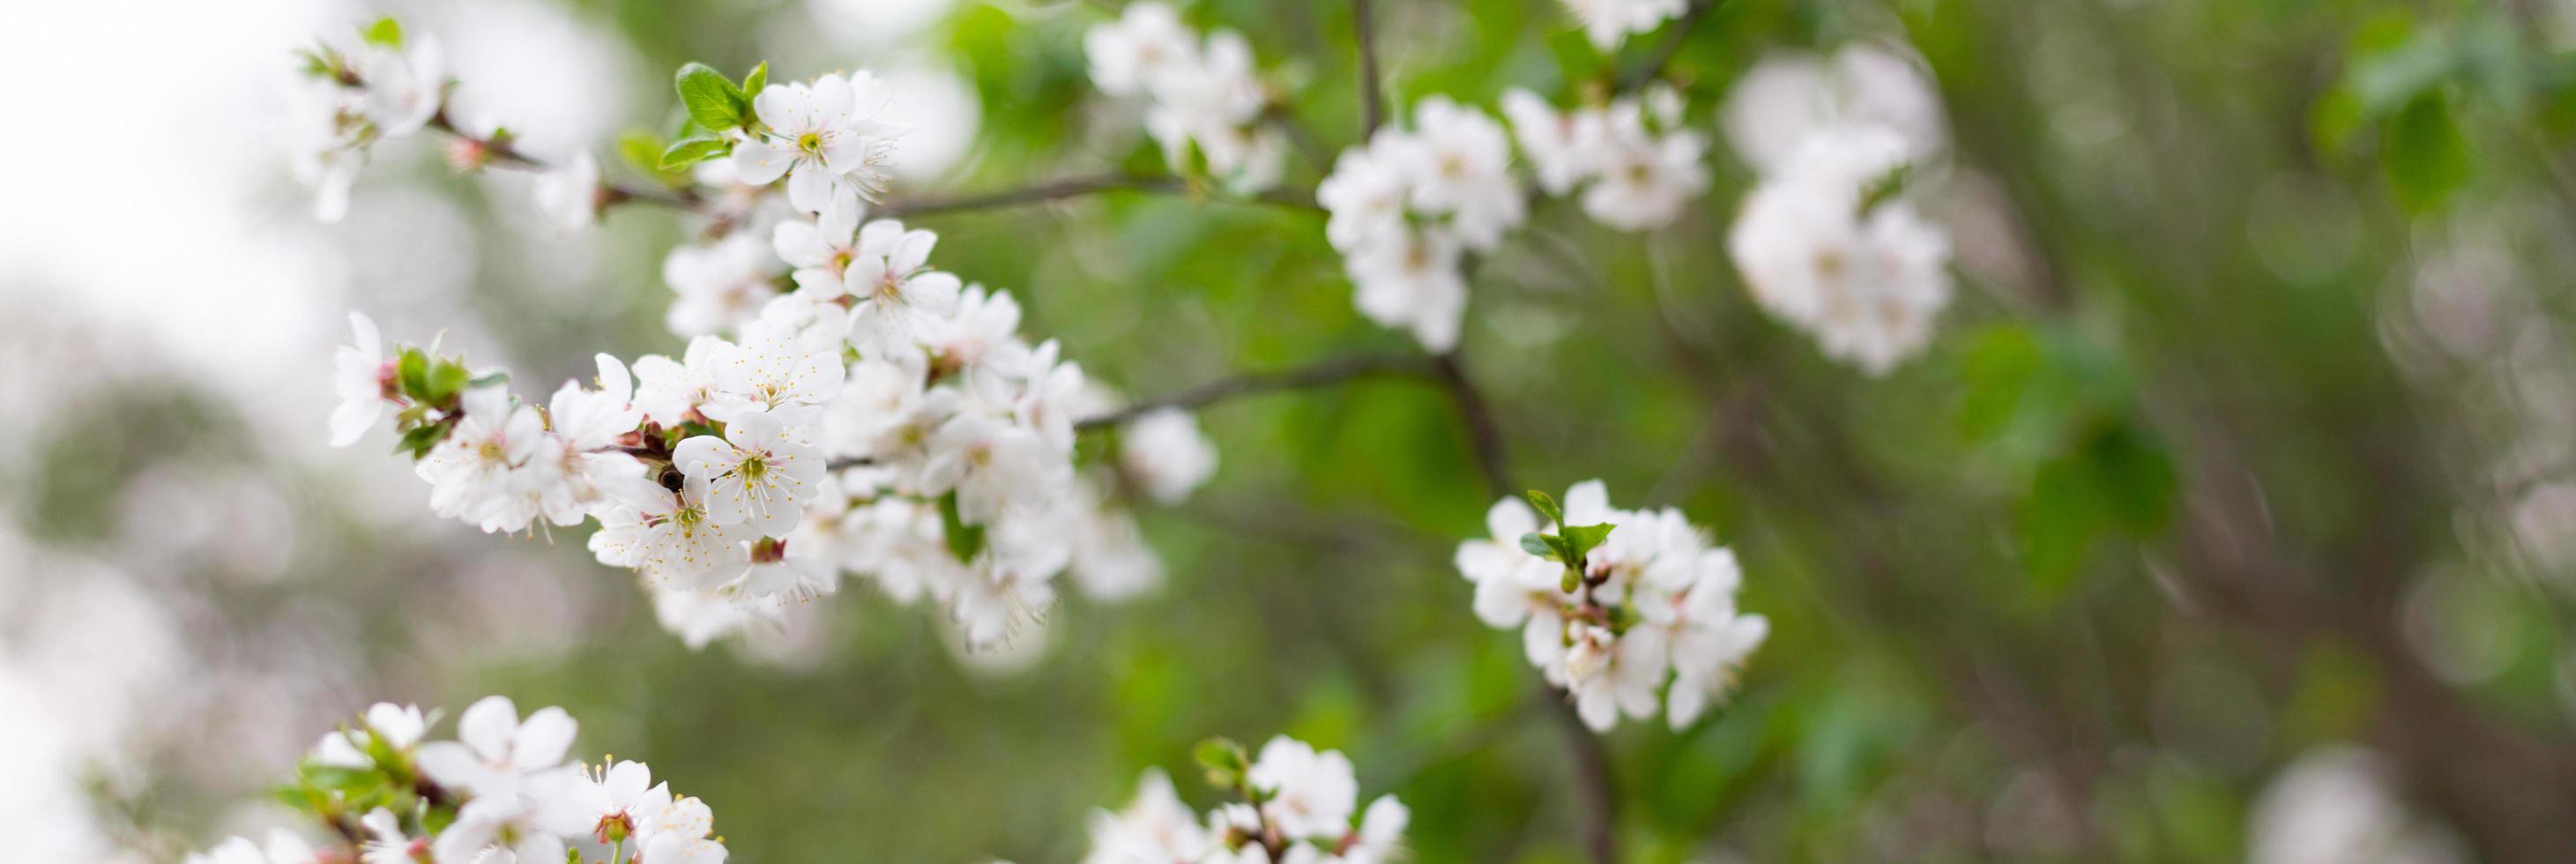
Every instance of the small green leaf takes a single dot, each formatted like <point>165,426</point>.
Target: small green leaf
<point>2424,153</point>
<point>753,83</point>
<point>1224,760</point>
<point>447,380</point>
<point>1584,538</point>
<point>642,151</point>
<point>416,442</point>
<point>691,151</point>
<point>1886,187</point>
<point>965,541</point>
<point>1546,506</point>
<point>712,99</point>
<point>385,32</point>
<point>411,373</point>
<point>1539,545</point>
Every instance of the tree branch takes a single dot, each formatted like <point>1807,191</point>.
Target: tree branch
<point>1372,97</point>
<point>1317,374</point>
<point>1482,434</point>
<point>1076,187</point>
<point>502,152</point>
<point>1592,777</point>
<point>1645,73</point>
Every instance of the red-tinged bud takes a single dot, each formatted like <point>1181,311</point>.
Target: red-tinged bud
<point>387,383</point>
<point>769,550</point>
<point>468,155</point>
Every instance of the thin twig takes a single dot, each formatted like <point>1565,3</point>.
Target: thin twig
<point>1592,777</point>
<point>1076,187</point>
<point>502,152</point>
<point>1664,52</point>
<point>1317,374</point>
<point>1482,434</point>
<point>1372,104</point>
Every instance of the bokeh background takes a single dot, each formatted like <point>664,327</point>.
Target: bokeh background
<point>2232,513</point>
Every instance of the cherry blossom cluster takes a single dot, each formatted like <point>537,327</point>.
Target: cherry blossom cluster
<point>1628,611</point>
<point>359,87</point>
<point>1633,161</point>
<point>1609,22</point>
<point>1409,205</point>
<point>841,405</point>
<point>1827,242</point>
<point>1297,806</point>
<point>501,792</point>
<point>1204,97</point>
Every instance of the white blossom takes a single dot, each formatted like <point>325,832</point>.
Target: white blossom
<point>1412,280</point>
<point>281,848</point>
<point>568,195</point>
<point>1652,610</point>
<point>1166,455</point>
<point>1144,49</point>
<point>360,376</point>
<point>1607,22</point>
<point>1310,794</point>
<point>721,286</point>
<point>755,474</point>
<point>1791,97</point>
<point>496,753</point>
<point>823,137</point>
<point>1865,278</point>
<point>1154,828</point>
<point>1458,161</point>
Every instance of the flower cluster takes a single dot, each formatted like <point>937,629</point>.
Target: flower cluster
<point>1827,243</point>
<point>1624,609</point>
<point>1297,807</point>
<point>1205,97</point>
<point>841,405</point>
<point>501,792</point>
<point>1608,22</point>
<point>359,87</point>
<point>1640,165</point>
<point>1409,205</point>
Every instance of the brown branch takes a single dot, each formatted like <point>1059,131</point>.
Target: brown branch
<point>1592,777</point>
<point>1372,97</point>
<point>502,152</point>
<point>1645,73</point>
<point>1076,187</point>
<point>1482,434</point>
<point>1317,374</point>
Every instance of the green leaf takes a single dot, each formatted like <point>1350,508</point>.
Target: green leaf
<point>416,442</point>
<point>493,378</point>
<point>691,151</point>
<point>447,380</point>
<point>385,32</point>
<point>758,80</point>
<point>1583,539</point>
<point>1886,187</point>
<point>1998,367</point>
<point>1540,545</point>
<point>712,99</point>
<point>1224,760</point>
<point>411,372</point>
<point>1546,506</point>
<point>642,151</point>
<point>965,541</point>
<point>2424,154</point>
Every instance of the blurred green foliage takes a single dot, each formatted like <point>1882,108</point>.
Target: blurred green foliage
<point>2133,534</point>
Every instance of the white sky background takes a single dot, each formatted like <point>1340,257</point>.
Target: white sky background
<point>152,202</point>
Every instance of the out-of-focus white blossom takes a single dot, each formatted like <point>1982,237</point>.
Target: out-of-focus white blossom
<point>1866,277</point>
<point>1305,814</point>
<point>1791,97</point>
<point>1608,22</point>
<point>1165,454</point>
<point>1204,97</point>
